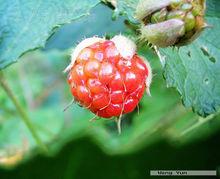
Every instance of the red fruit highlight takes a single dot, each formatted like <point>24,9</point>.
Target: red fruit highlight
<point>107,76</point>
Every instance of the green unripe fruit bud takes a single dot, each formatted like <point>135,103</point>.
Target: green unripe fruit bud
<point>171,22</point>
<point>160,33</point>
<point>190,22</point>
<point>186,7</point>
<point>197,10</point>
<point>159,16</point>
<point>176,3</point>
<point>176,15</point>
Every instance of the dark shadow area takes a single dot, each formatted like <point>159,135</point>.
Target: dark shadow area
<point>82,159</point>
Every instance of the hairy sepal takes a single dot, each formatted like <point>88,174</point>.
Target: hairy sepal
<point>125,46</point>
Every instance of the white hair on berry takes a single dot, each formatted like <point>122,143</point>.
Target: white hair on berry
<point>75,52</point>
<point>125,46</point>
<point>149,77</point>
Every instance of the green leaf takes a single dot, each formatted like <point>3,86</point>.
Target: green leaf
<point>213,8</point>
<point>194,69</point>
<point>26,25</point>
<point>124,7</point>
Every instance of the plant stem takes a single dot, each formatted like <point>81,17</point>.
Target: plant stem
<point>22,113</point>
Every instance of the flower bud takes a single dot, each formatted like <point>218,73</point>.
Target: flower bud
<point>171,22</point>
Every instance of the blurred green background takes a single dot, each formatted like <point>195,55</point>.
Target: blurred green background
<point>163,135</point>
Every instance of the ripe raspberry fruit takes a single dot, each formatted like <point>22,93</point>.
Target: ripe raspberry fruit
<point>107,76</point>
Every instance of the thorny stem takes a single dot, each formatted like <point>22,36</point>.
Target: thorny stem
<point>22,113</point>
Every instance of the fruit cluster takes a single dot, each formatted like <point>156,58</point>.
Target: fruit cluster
<point>171,22</point>
<point>107,76</point>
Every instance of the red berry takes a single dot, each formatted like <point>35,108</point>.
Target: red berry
<point>130,104</point>
<point>107,76</point>
<point>91,68</point>
<point>85,55</point>
<point>117,97</point>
